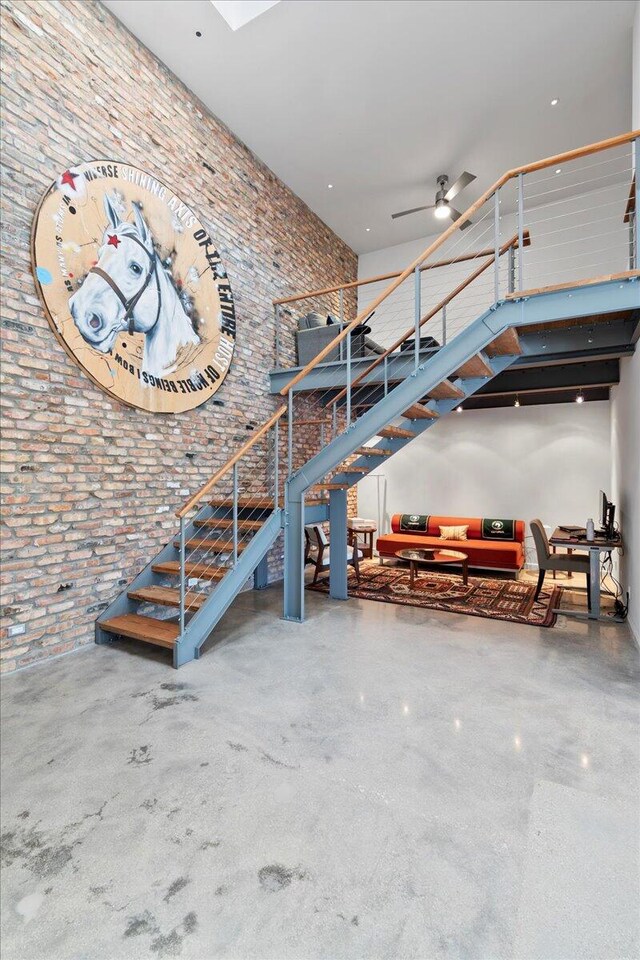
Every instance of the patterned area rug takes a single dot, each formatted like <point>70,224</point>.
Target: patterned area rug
<point>488,597</point>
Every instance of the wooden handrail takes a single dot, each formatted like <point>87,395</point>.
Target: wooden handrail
<point>381,276</point>
<point>206,487</point>
<point>513,242</point>
<point>444,236</point>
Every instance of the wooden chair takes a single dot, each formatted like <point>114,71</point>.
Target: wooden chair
<point>549,561</point>
<point>318,551</point>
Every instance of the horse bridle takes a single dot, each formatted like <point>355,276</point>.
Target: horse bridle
<point>131,303</point>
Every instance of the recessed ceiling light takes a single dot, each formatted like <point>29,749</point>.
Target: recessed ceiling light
<point>555,101</point>
<point>580,397</point>
<point>368,229</point>
<point>330,186</point>
<point>559,170</point>
<point>458,409</point>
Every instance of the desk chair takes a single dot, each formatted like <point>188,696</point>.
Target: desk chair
<point>318,551</point>
<point>550,561</point>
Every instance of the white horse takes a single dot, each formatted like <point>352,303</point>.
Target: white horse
<point>130,289</point>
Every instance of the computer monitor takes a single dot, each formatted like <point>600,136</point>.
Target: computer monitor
<point>607,515</point>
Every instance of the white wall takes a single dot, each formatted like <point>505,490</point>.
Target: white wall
<point>547,461</point>
<point>625,428</point>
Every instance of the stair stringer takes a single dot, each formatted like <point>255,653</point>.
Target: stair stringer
<point>213,609</point>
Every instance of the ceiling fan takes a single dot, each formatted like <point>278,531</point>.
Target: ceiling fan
<point>444,195</point>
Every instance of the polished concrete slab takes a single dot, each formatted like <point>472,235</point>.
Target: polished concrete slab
<point>380,782</point>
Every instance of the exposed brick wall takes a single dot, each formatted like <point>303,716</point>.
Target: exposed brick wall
<point>89,485</point>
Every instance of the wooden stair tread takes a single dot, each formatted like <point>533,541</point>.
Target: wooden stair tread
<point>506,345</point>
<point>329,486</point>
<point>226,524</point>
<point>167,597</point>
<point>162,633</point>
<point>372,452</point>
<point>475,367</point>
<point>418,412</point>
<point>246,503</point>
<point>220,546</point>
<point>203,571</point>
<point>445,391</point>
<point>396,433</point>
<point>353,470</point>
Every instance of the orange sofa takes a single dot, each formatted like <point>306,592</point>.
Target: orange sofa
<point>490,544</point>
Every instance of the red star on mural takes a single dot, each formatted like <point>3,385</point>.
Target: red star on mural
<point>68,179</point>
<point>113,241</point>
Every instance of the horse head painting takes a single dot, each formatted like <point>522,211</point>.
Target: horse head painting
<point>130,289</point>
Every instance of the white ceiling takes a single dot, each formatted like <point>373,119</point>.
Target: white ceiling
<point>380,97</point>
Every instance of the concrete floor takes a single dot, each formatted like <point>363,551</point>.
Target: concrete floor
<point>381,782</point>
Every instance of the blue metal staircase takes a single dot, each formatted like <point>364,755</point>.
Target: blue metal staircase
<point>225,538</point>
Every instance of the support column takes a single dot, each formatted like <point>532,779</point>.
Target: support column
<point>338,538</point>
<point>261,574</point>
<point>294,558</point>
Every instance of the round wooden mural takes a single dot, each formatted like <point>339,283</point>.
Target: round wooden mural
<point>133,286</point>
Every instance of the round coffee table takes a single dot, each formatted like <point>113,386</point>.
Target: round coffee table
<point>431,558</point>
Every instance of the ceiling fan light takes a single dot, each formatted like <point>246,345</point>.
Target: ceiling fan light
<point>442,210</point>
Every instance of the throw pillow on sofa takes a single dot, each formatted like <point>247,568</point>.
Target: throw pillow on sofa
<point>454,533</point>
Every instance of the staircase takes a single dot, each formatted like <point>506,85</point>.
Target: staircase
<point>228,527</point>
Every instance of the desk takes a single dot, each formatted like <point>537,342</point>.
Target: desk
<point>560,538</point>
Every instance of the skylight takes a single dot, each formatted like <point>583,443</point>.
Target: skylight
<point>238,13</point>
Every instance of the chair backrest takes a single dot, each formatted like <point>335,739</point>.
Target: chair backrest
<point>316,531</point>
<point>540,539</point>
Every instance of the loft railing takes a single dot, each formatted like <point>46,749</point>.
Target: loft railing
<point>571,205</point>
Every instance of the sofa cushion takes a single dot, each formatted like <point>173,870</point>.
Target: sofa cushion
<point>454,533</point>
<point>474,523</point>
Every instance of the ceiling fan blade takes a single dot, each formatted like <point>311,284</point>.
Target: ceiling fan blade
<point>463,181</point>
<point>455,215</point>
<point>404,213</point>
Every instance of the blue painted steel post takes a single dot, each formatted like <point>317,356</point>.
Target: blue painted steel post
<point>182,576</point>
<point>417,310</point>
<point>277,335</point>
<point>276,464</point>
<point>290,433</point>
<point>338,535</point>
<point>496,246</point>
<point>348,401</point>
<point>294,559</point>
<point>235,514</point>
<point>261,574</point>
<point>520,232</point>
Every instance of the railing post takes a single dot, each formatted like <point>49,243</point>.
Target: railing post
<point>322,434</point>
<point>334,421</point>
<point>290,434</point>
<point>182,577</point>
<point>511,269</point>
<point>276,464</point>
<point>417,311</point>
<point>496,246</point>
<point>633,219</point>
<point>341,318</point>
<point>520,232</point>
<point>348,341</point>
<point>235,514</point>
<point>386,376</point>
<point>444,325</point>
<point>277,335</point>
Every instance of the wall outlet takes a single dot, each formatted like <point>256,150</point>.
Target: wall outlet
<point>16,630</point>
